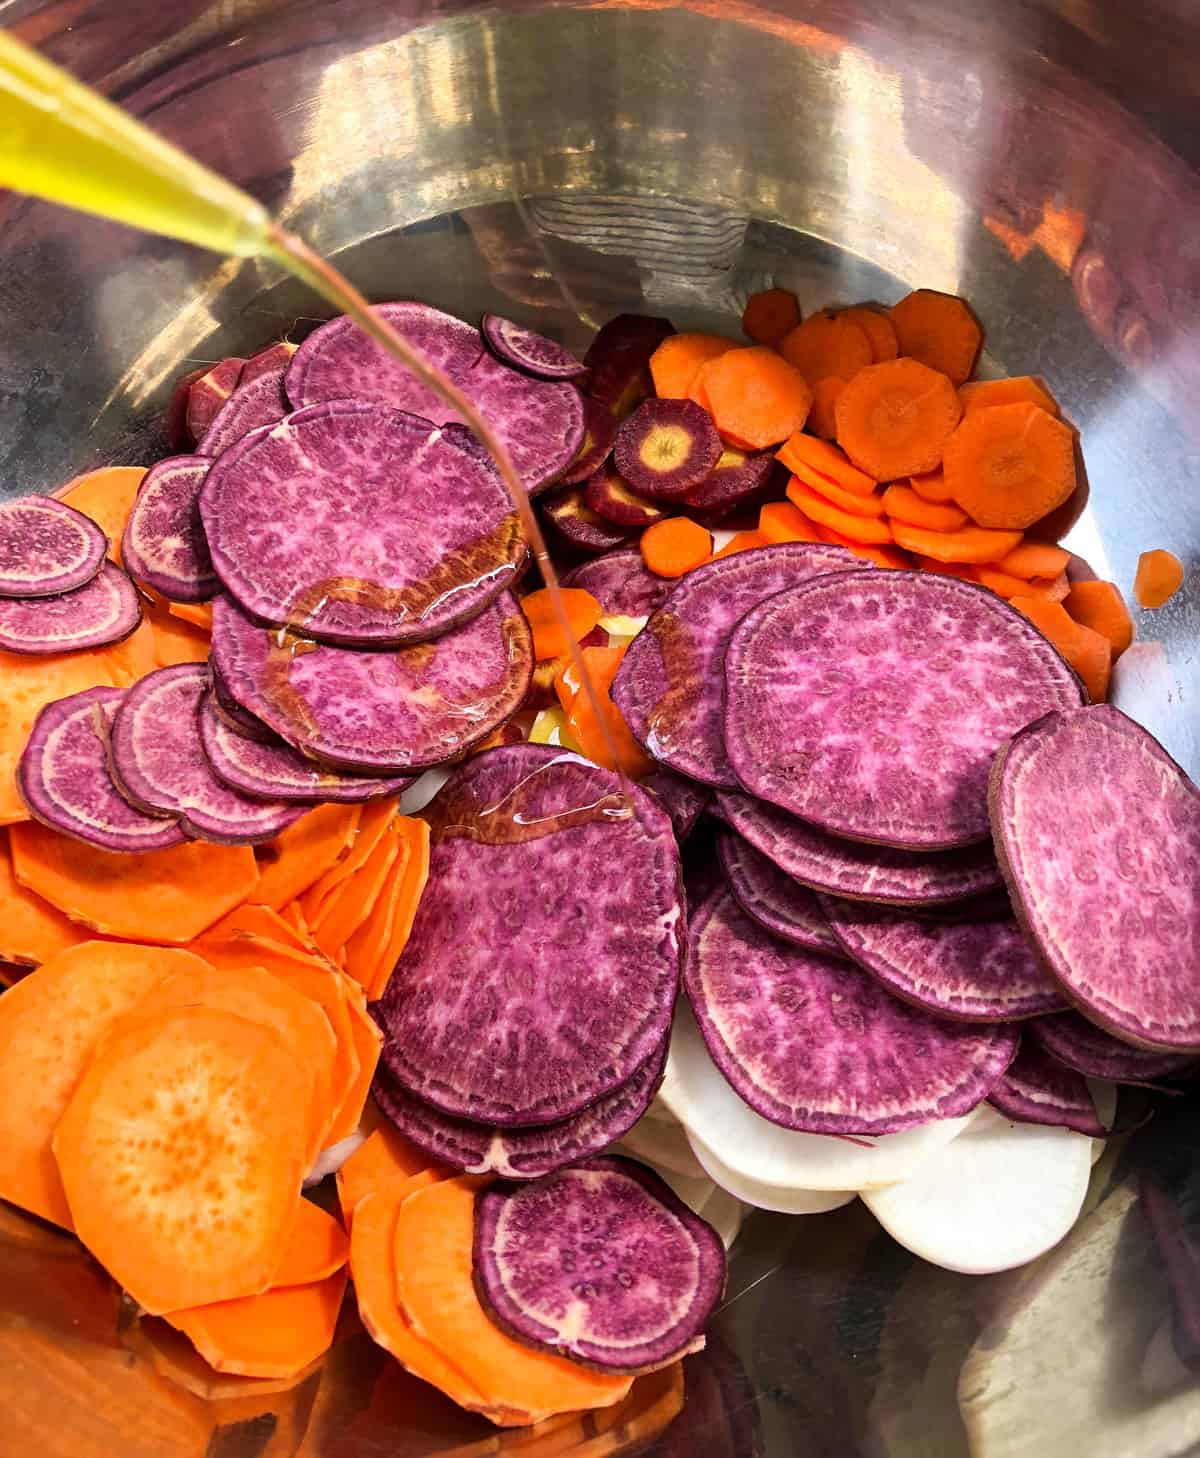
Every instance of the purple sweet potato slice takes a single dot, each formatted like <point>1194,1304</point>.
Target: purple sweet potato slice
<point>64,778</point>
<point>239,719</point>
<point>599,432</point>
<point>671,686</point>
<point>852,869</point>
<point>279,772</point>
<point>610,497</point>
<point>175,427</point>
<point>631,1300</point>
<point>357,524</point>
<point>872,703</point>
<point>159,764</point>
<point>1037,1089</point>
<point>776,902</point>
<point>621,583</point>
<point>521,1154</point>
<point>527,350</point>
<point>1111,895</point>
<point>102,611</point>
<point>539,421</point>
<point>164,544</point>
<point>511,1009</point>
<point>813,1043</point>
<point>740,478</point>
<point>579,526</point>
<point>977,966</point>
<point>683,800</point>
<point>47,547</point>
<point>207,394</point>
<point>267,361</point>
<point>667,448</point>
<point>378,713</point>
<point>257,401</point>
<point>1080,1045</point>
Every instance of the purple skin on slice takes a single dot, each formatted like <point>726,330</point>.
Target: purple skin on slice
<point>160,766</point>
<point>776,902</point>
<point>1037,1089</point>
<point>514,1010</point>
<point>671,686</point>
<point>610,497</point>
<point>600,1263</point>
<point>378,713</point>
<point>47,547</point>
<point>101,612</point>
<point>525,349</point>
<point>621,583</point>
<point>667,448</point>
<point>579,526</point>
<point>210,392</point>
<point>539,421</point>
<point>811,1042</point>
<point>276,357</point>
<point>1089,1050</point>
<point>683,800</point>
<point>279,772</point>
<point>638,335</point>
<point>257,401</point>
<point>359,525</point>
<point>872,703</point>
<point>240,720</point>
<point>521,1154</point>
<point>599,432</point>
<point>978,967</point>
<point>854,870</point>
<point>1112,902</point>
<point>64,778</point>
<point>739,478</point>
<point>163,545</point>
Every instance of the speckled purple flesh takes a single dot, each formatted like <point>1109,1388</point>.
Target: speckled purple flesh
<point>671,686</point>
<point>47,547</point>
<point>159,763</point>
<point>639,463</point>
<point>256,401</point>
<point>1089,1050</point>
<point>358,524</point>
<point>521,1154</point>
<point>599,1262</point>
<point>102,611</point>
<point>811,1042</point>
<point>853,869</point>
<point>621,583</point>
<point>872,704</point>
<point>163,545</point>
<point>240,720</point>
<point>683,800</point>
<point>1037,1089</point>
<point>511,1008</point>
<point>382,712</point>
<point>279,772</point>
<point>64,778</point>
<point>210,392</point>
<point>540,421</point>
<point>776,902</point>
<point>578,525</point>
<point>525,349</point>
<point>1113,900</point>
<point>738,479</point>
<point>980,968</point>
<point>599,432</point>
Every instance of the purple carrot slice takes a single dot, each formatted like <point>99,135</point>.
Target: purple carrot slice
<point>636,334</point>
<point>160,766</point>
<point>667,448</point>
<point>527,350</point>
<point>360,525</point>
<point>740,478</point>
<point>521,1154</point>
<point>1037,1089</point>
<point>164,544</point>
<point>378,713</point>
<point>515,1011</point>
<point>621,583</point>
<point>671,685</point>
<point>599,432</point>
<point>600,1262</point>
<point>539,421</point>
<point>1113,901</point>
<point>1080,1045</point>
<point>209,393</point>
<point>102,611</point>
<point>776,902</point>
<point>178,437</point>
<point>811,1042</point>
<point>579,526</point>
<point>63,777</point>
<point>610,497</point>
<point>267,361</point>
<point>683,800</point>
<point>47,547</point>
<point>852,869</point>
<point>977,966</point>
<point>259,400</point>
<point>872,703</point>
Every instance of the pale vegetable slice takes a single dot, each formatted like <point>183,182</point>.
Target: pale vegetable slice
<point>663,1144</point>
<point>786,1199</point>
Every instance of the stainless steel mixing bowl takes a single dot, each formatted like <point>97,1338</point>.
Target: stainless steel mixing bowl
<point>558,163</point>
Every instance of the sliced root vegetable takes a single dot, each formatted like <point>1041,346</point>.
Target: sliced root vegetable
<point>784,1199</point>
<point>675,546</point>
<point>583,612</point>
<point>822,418</point>
<point>267,361</point>
<point>895,419</point>
<point>164,544</point>
<point>769,315</point>
<point>409,878</point>
<point>1080,1045</point>
<point>924,721</point>
<point>877,325</point>
<point>772,899</point>
<point>852,501</point>
<point>210,392</point>
<point>528,351</point>
<point>1004,585</point>
<point>1035,559</point>
<point>741,542</point>
<point>31,930</point>
<point>332,1157</point>
<point>355,901</point>
<point>255,402</point>
<point>578,525</point>
<point>172,1356</point>
<point>892,558</point>
<point>931,486</point>
<point>261,921</point>
<point>47,547</point>
<point>665,449</point>
<point>372,827</point>
<point>852,524</point>
<point>1113,913</point>
<point>682,799</point>
<point>803,455</point>
<point>903,503</point>
<point>239,719</point>
<point>827,344</point>
<point>1037,1089</point>
<point>1100,606</point>
<point>176,641</point>
<point>1021,388</point>
<point>636,334</point>
<point>607,494</point>
<point>1159,577</point>
<point>367,1042</point>
<point>102,611</point>
<point>300,856</point>
<point>739,479</point>
<point>756,399</point>
<point>662,1143</point>
<point>132,658</point>
<point>995,1198</point>
<point>939,330</point>
<point>1010,465</point>
<point>107,496</point>
<point>968,544</point>
<point>381,1165</point>
<point>621,583</point>
<point>600,430</point>
<point>674,364</point>
<point>780,521</point>
<point>1089,653</point>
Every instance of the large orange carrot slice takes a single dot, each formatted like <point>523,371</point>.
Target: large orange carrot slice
<point>844,500</point>
<point>175,641</point>
<point>801,453</point>
<point>368,1043</point>
<point>181,1154</point>
<point>380,1165</point>
<point>259,921</point>
<point>891,557</point>
<point>1035,559</point>
<point>1100,606</point>
<point>878,328</point>
<point>549,640</point>
<point>316,1249</point>
<point>373,821</point>
<point>353,903</point>
<point>676,361</point>
<point>780,521</point>
<point>133,658</point>
<point>869,529</point>
<point>903,503</point>
<point>967,544</point>
<point>1158,578</point>
<point>931,486</point>
<point>822,418</point>
<point>289,864</point>
<point>756,398</point>
<point>675,545</point>
<point>894,419</point>
<point>1088,653</point>
<point>107,496</point>
<point>1008,466</point>
<point>50,1025</point>
<point>740,542</point>
<point>981,393</point>
<point>1004,584</point>
<point>31,930</point>
<point>827,344</point>
<point>940,331</point>
<point>769,316</point>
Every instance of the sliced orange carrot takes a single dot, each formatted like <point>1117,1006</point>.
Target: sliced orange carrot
<point>1008,466</point>
<point>165,896</point>
<point>780,521</point>
<point>1100,606</point>
<point>368,1043</point>
<point>50,1025</point>
<point>674,364</point>
<point>300,855</point>
<point>31,930</point>
<point>967,544</point>
<point>373,822</point>
<point>107,496</point>
<point>411,873</point>
<point>1159,577</point>
<point>891,557</point>
<point>981,393</point>
<point>845,500</point>
<point>198,614</point>
<point>293,917</point>
<point>259,921</point>
<point>769,315</point>
<point>756,398</point>
<point>354,901</point>
<point>549,640</point>
<point>698,389</point>
<point>379,1166</point>
<point>801,454</point>
<point>1088,653</point>
<point>827,344</point>
<point>931,486</point>
<point>1004,584</point>
<point>740,542</point>
<point>903,503</point>
<point>316,1248</point>
<point>585,730</point>
<point>869,529</point>
<point>1036,559</point>
<point>960,570</point>
<point>940,331</point>
<point>894,419</point>
<point>134,657</point>
<point>675,545</point>
<point>878,328</point>
<point>176,641</point>
<point>822,419</point>
<point>602,665</point>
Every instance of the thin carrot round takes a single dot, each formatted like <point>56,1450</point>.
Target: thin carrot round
<point>804,450</point>
<point>1088,653</point>
<point>968,544</point>
<point>827,344</point>
<point>894,419</point>
<point>872,530</point>
<point>769,315</point>
<point>780,521</point>
<point>549,641</point>
<point>892,557</point>
<point>1100,606</point>
<point>1159,577</point>
<point>849,501</point>
<point>1036,559</point>
<point>675,545</point>
<point>903,503</point>
<point>822,421</point>
<point>931,486</point>
<point>1004,584</point>
<point>674,364</point>
<point>878,328</point>
<point>756,399</point>
<point>1007,466</point>
<point>940,331</point>
<point>979,394</point>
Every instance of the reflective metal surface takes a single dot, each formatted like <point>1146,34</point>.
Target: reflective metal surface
<point>559,163</point>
